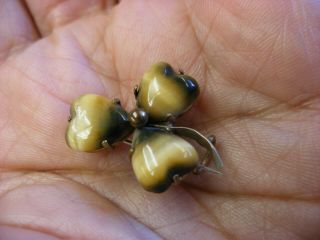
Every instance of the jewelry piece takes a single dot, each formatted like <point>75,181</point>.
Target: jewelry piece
<point>159,153</point>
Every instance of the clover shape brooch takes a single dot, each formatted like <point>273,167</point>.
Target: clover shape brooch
<point>160,153</point>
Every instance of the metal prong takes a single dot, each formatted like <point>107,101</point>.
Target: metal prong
<point>170,119</point>
<point>211,170</point>
<point>212,139</point>
<point>131,152</point>
<point>106,144</point>
<point>206,159</point>
<point>177,179</point>
<point>181,72</point>
<point>136,91</point>
<point>128,142</point>
<point>116,101</point>
<point>202,168</point>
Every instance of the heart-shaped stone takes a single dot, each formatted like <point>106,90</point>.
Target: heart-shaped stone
<point>158,156</point>
<point>94,119</point>
<point>164,94</point>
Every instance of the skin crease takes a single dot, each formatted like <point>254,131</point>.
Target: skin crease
<point>257,64</point>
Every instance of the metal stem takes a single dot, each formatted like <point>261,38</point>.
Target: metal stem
<point>128,142</point>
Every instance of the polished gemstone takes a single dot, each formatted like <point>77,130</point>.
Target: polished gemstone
<point>165,94</point>
<point>94,119</point>
<point>158,156</point>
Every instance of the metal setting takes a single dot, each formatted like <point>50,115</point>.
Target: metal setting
<point>159,151</point>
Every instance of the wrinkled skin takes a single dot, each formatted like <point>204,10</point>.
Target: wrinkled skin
<point>257,63</point>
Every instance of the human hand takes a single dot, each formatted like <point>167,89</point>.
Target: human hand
<point>257,64</point>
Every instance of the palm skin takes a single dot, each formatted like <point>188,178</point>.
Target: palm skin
<point>257,63</point>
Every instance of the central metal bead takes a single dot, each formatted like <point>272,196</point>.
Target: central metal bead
<point>138,118</point>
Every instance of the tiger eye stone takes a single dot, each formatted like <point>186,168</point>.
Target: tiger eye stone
<point>163,93</point>
<point>158,156</point>
<point>96,118</point>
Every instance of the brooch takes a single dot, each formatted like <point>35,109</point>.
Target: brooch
<point>159,153</point>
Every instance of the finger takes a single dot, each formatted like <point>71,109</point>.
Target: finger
<point>16,28</point>
<point>50,14</point>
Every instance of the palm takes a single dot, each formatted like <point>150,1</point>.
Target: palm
<point>257,65</point>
